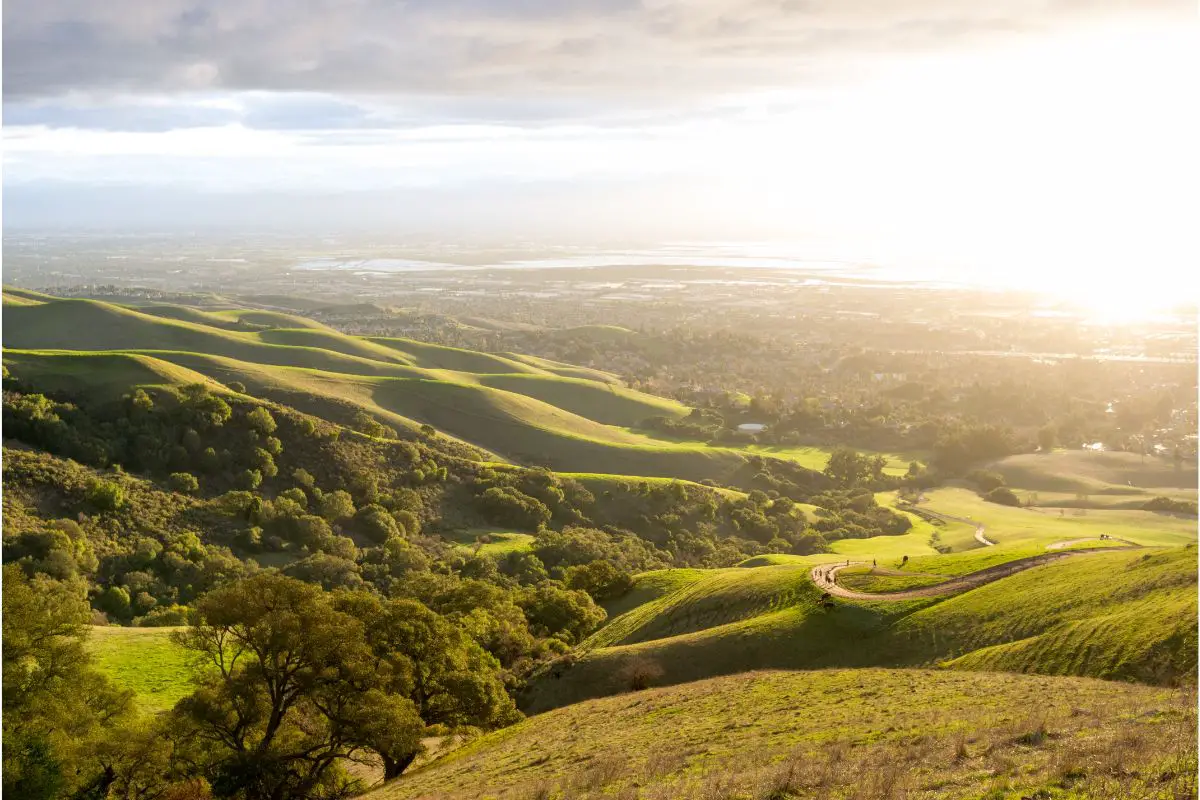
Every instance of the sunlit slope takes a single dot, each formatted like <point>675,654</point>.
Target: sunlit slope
<point>271,319</point>
<point>513,426</point>
<point>434,356</point>
<point>195,315</point>
<point>563,369</point>
<point>1086,472</point>
<point>334,341</point>
<point>1125,614</point>
<point>834,734</point>
<point>103,374</point>
<point>17,296</point>
<point>529,431</point>
<point>606,403</point>
<point>703,599</point>
<point>92,325</point>
<point>1007,525</point>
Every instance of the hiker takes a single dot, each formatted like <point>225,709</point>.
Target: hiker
<point>874,563</point>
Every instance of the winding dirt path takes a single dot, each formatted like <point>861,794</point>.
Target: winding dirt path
<point>1071,542</point>
<point>825,576</point>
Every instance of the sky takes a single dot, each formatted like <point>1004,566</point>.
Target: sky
<point>1026,135</point>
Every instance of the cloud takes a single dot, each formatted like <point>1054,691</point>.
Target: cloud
<point>615,52</point>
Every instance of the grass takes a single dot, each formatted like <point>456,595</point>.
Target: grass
<point>1095,473</point>
<point>106,374</point>
<point>145,661</point>
<point>494,543</point>
<point>515,410</point>
<point>1007,525</point>
<point>865,734</point>
<point>1132,612</point>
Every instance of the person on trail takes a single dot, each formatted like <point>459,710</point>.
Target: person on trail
<point>874,563</point>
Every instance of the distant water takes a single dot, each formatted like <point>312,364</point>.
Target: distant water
<point>726,255</point>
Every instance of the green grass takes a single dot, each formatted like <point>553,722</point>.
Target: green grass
<point>145,661</point>
<point>602,402</point>
<point>1007,525</point>
<point>106,374</point>
<point>864,734</point>
<point>698,602</point>
<point>766,617</point>
<point>1095,473</point>
<point>489,401</point>
<point>500,543</point>
<point>565,370</point>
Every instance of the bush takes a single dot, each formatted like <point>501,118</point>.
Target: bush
<point>106,495</point>
<point>260,420</point>
<point>600,579</point>
<point>184,482</point>
<point>1003,496</point>
<point>985,480</point>
<point>1167,504</point>
<point>640,673</point>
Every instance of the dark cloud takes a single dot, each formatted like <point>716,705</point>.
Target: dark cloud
<point>622,50</point>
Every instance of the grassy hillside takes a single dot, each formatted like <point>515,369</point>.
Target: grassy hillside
<point>1085,471</point>
<point>1007,525</point>
<point>109,374</point>
<point>563,369</point>
<point>145,661</point>
<point>1127,614</point>
<point>864,734</point>
<point>513,409</point>
<point>606,403</point>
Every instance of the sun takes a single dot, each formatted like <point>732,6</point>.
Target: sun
<point>1121,304</point>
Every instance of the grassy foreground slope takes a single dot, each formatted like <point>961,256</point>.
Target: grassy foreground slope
<point>863,734</point>
<point>1124,614</point>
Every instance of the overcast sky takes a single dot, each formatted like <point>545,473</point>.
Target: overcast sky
<point>964,131</point>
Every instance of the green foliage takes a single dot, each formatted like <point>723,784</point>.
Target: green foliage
<point>504,505</point>
<point>106,495</point>
<point>303,679</point>
<point>600,579</point>
<point>56,707</point>
<point>184,482</point>
<point>1003,496</point>
<point>260,420</point>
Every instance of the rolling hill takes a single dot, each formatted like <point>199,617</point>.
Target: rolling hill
<point>525,411</point>
<point>1127,613</point>
<point>865,734</point>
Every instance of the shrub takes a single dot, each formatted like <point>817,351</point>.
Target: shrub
<point>184,482</point>
<point>1003,495</point>
<point>250,479</point>
<point>106,495</point>
<point>640,673</point>
<point>260,420</point>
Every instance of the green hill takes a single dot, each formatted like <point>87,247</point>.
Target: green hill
<point>1125,614</point>
<point>520,412</point>
<point>1102,473</point>
<point>869,734</point>
<point>604,403</point>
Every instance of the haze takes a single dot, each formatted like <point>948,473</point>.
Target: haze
<point>1040,141</point>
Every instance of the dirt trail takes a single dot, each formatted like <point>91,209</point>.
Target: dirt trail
<point>979,528</point>
<point>1072,542</point>
<point>825,576</point>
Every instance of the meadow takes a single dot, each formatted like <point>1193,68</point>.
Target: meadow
<point>865,734</point>
<point>144,661</point>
